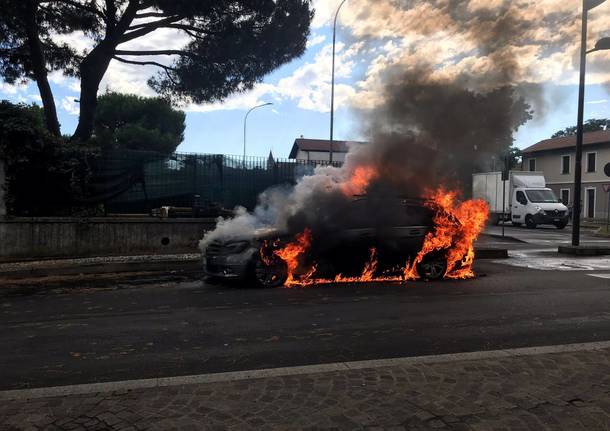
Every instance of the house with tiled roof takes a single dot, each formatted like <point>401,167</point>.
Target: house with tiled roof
<point>556,158</point>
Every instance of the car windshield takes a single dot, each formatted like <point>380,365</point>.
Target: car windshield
<point>541,196</point>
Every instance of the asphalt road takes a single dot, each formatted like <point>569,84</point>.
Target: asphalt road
<point>106,330</point>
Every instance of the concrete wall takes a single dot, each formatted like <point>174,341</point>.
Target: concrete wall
<point>69,237</point>
<point>2,190</point>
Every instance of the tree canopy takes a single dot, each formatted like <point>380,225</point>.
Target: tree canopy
<point>592,125</point>
<point>126,121</point>
<point>230,45</point>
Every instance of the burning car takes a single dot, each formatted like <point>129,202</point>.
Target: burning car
<point>373,239</point>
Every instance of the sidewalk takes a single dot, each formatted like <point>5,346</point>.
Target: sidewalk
<point>521,389</point>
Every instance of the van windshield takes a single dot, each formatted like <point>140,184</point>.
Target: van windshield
<point>541,196</point>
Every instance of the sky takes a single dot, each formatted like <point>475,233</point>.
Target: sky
<point>374,37</point>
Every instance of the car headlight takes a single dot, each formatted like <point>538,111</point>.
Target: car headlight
<point>237,247</point>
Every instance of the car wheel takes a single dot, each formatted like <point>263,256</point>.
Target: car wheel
<point>432,269</point>
<point>529,222</point>
<point>273,273</point>
<point>561,225</point>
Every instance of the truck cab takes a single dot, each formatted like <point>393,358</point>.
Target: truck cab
<point>534,206</point>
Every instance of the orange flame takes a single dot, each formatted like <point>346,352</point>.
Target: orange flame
<point>359,180</point>
<point>292,252</point>
<point>456,227</point>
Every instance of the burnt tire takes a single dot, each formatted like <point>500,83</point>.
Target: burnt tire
<point>432,269</point>
<point>529,222</point>
<point>271,274</point>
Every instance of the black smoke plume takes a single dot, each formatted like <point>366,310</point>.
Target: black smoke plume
<point>428,131</point>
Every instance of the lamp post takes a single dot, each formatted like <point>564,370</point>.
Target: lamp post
<point>246,123</point>
<point>602,44</point>
<point>332,85</point>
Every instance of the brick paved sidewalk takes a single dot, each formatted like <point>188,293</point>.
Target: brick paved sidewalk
<point>560,391</point>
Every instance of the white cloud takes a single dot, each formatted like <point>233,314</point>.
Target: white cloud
<point>76,40</point>
<point>12,89</point>
<point>309,86</point>
<point>262,93</point>
<point>69,104</point>
<point>396,37</point>
<point>315,40</point>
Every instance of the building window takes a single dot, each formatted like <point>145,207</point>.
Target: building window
<point>565,164</point>
<point>591,162</point>
<point>565,196</point>
<point>532,166</point>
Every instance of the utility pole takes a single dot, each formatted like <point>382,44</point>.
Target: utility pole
<point>332,85</point>
<point>586,7</point>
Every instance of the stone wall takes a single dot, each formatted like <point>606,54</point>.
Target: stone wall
<point>43,237</point>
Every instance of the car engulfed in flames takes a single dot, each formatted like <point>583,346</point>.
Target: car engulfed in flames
<point>430,238</point>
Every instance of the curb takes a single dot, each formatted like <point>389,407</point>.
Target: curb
<point>506,237</point>
<point>107,268</point>
<point>158,265</point>
<point>128,385</point>
<point>584,250</point>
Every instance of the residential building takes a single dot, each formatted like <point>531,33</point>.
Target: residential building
<point>319,150</point>
<point>556,158</point>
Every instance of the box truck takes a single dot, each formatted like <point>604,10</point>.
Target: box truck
<point>522,199</point>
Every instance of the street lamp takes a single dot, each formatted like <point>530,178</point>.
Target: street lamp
<point>332,85</point>
<point>603,44</point>
<point>246,123</point>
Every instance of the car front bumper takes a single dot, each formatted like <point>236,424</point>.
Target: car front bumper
<point>230,267</point>
<point>541,218</point>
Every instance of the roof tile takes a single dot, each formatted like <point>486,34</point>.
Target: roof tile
<point>590,138</point>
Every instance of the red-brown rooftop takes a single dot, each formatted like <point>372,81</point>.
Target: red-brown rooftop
<point>590,138</point>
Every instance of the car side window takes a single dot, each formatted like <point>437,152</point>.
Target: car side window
<point>521,198</point>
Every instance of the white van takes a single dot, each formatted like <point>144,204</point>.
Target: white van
<point>525,199</point>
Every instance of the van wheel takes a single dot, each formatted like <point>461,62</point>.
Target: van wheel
<point>561,225</point>
<point>529,222</point>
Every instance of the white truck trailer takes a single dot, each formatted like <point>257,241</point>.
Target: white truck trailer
<point>525,199</point>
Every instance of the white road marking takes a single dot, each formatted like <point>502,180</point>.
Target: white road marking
<point>606,276</point>
<point>549,260</point>
<point>126,385</point>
